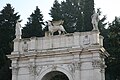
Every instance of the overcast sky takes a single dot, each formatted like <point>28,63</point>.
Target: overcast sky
<point>26,7</point>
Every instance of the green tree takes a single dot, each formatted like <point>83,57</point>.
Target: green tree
<point>55,11</point>
<point>70,12</point>
<point>33,27</point>
<point>7,27</point>
<point>113,62</point>
<point>75,13</point>
<point>102,24</point>
<point>8,19</point>
<point>67,14</point>
<point>88,10</point>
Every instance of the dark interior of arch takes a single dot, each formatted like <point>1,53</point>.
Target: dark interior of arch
<point>55,75</point>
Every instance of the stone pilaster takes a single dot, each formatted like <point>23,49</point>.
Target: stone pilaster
<point>77,70</point>
<point>15,70</point>
<point>32,69</point>
<point>99,72</point>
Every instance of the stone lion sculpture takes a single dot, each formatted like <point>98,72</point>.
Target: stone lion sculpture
<point>54,26</point>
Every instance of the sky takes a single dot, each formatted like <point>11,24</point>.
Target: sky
<point>110,8</point>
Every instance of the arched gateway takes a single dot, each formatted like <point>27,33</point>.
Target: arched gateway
<point>77,56</point>
<point>54,74</point>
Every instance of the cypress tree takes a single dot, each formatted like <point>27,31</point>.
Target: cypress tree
<point>70,12</point>
<point>75,13</point>
<point>113,47</point>
<point>88,8</point>
<point>67,10</point>
<point>8,19</point>
<point>55,11</point>
<point>34,25</point>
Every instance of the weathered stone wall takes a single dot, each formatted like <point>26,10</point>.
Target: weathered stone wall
<point>83,40</point>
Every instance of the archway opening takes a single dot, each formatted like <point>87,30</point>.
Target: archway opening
<point>55,75</point>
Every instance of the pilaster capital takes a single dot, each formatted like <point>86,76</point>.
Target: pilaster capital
<point>98,64</point>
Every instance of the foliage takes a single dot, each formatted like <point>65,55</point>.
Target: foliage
<point>88,9</point>
<point>113,62</point>
<point>75,13</point>
<point>70,11</point>
<point>102,24</point>
<point>8,19</point>
<point>56,11</point>
<point>34,25</point>
<point>7,27</point>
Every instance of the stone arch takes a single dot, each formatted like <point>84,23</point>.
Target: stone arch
<point>55,75</point>
<point>58,69</point>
